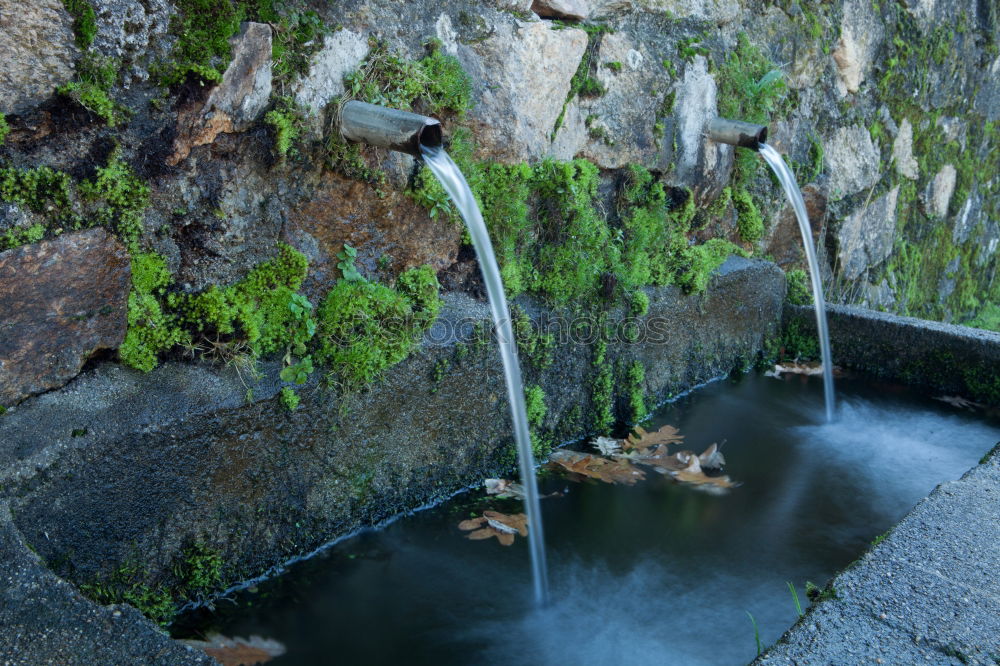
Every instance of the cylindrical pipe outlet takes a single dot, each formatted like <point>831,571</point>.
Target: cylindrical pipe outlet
<point>389,128</point>
<point>737,133</point>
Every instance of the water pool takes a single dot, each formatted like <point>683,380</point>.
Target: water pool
<point>653,573</point>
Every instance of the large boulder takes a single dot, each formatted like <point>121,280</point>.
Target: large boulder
<point>62,301</point>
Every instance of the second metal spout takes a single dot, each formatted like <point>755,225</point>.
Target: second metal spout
<point>737,133</point>
<point>389,128</point>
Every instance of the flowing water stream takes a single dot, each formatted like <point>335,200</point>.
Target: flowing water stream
<point>454,183</point>
<point>787,180</point>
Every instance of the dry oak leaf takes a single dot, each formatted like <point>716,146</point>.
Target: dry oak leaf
<point>641,440</point>
<point>495,524</point>
<point>619,471</point>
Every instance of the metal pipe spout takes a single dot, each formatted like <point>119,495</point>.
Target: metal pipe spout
<point>737,133</point>
<point>389,128</point>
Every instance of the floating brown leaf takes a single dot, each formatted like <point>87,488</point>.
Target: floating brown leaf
<point>239,651</point>
<point>641,440</point>
<point>619,471</point>
<point>495,524</point>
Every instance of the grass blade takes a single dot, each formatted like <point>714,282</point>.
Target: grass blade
<point>756,631</point>
<point>795,598</point>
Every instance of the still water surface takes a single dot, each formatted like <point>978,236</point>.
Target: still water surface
<point>651,574</point>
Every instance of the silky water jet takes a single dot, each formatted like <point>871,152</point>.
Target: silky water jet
<point>754,137</point>
<point>421,137</point>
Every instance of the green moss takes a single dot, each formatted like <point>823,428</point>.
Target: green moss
<point>988,318</point>
<point>84,21</point>
<point>535,347</point>
<point>289,398</point>
<point>698,262</point>
<point>749,223</point>
<point>602,390</point>
<point>125,197</point>
<point>285,121</point>
<point>263,308</point>
<point>129,584</point>
<point>798,341</point>
<point>635,379</point>
<point>96,76</point>
<point>198,570</point>
<point>639,303</point>
<point>40,190</point>
<point>365,328</point>
<point>203,29</point>
<point>23,236</point>
<point>799,291</point>
<point>151,330</point>
<point>534,402</point>
<point>4,129</point>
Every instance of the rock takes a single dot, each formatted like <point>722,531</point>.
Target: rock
<point>341,54</point>
<point>902,152</point>
<point>62,301</point>
<point>702,165</point>
<point>237,102</point>
<point>718,11</point>
<point>967,219</point>
<point>132,30</point>
<point>519,6</point>
<point>37,50</point>
<point>852,161</point>
<point>785,241</point>
<point>848,65</point>
<point>861,34</point>
<point>522,77</point>
<point>617,128</point>
<point>392,229</point>
<point>865,237</point>
<point>561,9</point>
<point>987,101</point>
<point>937,196</point>
<point>12,217</point>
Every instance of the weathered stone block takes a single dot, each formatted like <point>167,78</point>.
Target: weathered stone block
<point>62,300</point>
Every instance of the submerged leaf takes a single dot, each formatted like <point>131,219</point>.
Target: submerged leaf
<point>239,651</point>
<point>504,489</point>
<point>495,524</point>
<point>619,471</point>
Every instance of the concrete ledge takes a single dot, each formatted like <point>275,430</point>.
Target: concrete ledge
<point>940,357</point>
<point>928,593</point>
<point>45,620</point>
